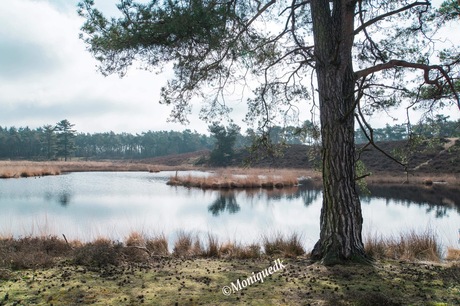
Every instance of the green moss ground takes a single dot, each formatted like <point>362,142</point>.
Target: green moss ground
<point>173,281</point>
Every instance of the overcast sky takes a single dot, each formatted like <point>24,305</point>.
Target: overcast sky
<point>46,76</point>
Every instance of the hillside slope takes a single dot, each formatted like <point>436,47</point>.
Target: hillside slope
<point>443,157</point>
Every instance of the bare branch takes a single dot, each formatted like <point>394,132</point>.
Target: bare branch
<point>370,137</point>
<point>383,16</point>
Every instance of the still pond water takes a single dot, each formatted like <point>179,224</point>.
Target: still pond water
<point>114,204</point>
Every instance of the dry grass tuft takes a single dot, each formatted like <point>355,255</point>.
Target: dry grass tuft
<point>252,251</point>
<point>408,246</point>
<point>26,169</point>
<point>16,169</point>
<point>158,245</point>
<point>281,245</point>
<point>184,246</point>
<point>135,239</point>
<point>453,254</point>
<point>214,249</point>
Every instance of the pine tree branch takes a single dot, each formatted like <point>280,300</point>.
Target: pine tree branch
<point>426,74</point>
<point>383,16</point>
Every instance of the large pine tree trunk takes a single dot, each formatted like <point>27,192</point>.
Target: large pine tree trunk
<point>341,219</point>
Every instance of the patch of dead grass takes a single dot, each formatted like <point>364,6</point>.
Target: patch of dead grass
<point>410,245</point>
<point>453,254</point>
<point>16,169</point>
<point>277,244</point>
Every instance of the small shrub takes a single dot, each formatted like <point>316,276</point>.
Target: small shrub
<point>135,250</point>
<point>56,247</point>
<point>98,254</point>
<point>31,252</point>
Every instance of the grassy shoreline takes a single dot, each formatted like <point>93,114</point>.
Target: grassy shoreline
<point>17,169</point>
<point>140,270</point>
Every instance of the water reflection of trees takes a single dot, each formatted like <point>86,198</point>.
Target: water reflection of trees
<point>62,198</point>
<point>440,199</point>
<point>227,200</point>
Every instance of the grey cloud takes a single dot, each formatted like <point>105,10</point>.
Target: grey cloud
<point>22,59</point>
<point>64,5</point>
<point>30,111</point>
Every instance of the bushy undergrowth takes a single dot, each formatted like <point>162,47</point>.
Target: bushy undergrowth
<point>31,252</point>
<point>99,253</point>
<point>42,252</point>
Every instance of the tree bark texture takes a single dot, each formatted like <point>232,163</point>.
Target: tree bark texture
<point>341,218</point>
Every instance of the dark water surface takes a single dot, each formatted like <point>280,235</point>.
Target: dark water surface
<point>88,205</point>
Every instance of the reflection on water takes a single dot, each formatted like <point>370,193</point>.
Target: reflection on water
<point>439,199</point>
<point>64,198</point>
<point>226,200</point>
<point>111,204</point>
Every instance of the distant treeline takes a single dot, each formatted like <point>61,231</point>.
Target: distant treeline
<point>43,144</point>
<point>437,127</point>
<point>61,141</point>
<point>147,144</point>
